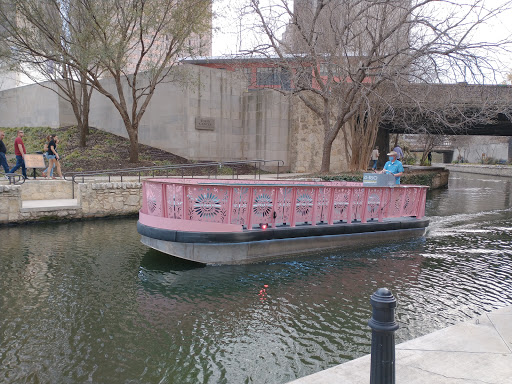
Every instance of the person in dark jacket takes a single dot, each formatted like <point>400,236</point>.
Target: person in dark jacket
<point>3,152</point>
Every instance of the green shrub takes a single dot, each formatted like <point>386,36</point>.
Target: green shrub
<point>409,160</point>
<point>344,177</point>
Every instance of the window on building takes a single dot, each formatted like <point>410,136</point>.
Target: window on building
<point>327,69</point>
<point>268,76</point>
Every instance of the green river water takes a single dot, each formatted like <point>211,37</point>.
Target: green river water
<point>86,302</point>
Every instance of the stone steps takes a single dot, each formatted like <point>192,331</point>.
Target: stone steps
<point>49,205</point>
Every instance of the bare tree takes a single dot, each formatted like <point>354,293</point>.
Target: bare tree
<point>32,54</point>
<point>353,61</point>
<point>133,43</point>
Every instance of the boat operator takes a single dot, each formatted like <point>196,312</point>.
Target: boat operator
<point>393,167</point>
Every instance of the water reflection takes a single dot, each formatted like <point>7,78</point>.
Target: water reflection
<point>86,302</point>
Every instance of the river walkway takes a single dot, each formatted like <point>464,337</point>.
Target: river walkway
<point>480,169</point>
<point>474,352</point>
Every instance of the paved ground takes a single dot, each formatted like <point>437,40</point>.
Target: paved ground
<point>474,352</point>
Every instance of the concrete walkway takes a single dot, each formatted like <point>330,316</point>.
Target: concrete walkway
<point>474,352</point>
<point>481,169</point>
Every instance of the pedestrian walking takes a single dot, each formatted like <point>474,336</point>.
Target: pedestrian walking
<point>20,152</point>
<point>53,156</point>
<point>375,157</point>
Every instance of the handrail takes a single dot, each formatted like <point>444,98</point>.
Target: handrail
<point>257,163</point>
<point>13,178</point>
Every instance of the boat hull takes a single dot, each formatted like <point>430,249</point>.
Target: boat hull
<point>218,248</point>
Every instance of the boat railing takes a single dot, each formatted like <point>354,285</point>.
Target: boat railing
<point>251,204</point>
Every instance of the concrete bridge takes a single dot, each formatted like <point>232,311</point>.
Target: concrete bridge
<point>462,98</point>
<point>458,99</point>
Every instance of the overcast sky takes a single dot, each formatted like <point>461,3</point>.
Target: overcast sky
<point>229,35</point>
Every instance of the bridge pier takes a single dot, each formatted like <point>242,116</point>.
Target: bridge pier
<point>448,157</point>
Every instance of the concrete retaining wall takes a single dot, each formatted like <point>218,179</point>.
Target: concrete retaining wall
<point>492,170</point>
<point>243,125</point>
<point>35,106</point>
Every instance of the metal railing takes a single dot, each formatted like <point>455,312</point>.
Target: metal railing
<point>208,169</point>
<point>277,203</point>
<point>13,178</point>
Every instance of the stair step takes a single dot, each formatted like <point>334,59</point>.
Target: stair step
<point>49,205</point>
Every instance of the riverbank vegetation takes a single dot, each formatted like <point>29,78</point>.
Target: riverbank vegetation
<point>411,177</point>
<point>104,150</point>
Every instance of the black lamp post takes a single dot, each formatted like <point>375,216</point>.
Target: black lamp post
<point>383,327</point>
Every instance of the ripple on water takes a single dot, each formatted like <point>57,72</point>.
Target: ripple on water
<point>86,302</point>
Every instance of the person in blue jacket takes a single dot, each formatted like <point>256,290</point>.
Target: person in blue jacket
<point>393,167</point>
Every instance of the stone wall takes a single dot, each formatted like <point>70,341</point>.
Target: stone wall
<point>50,213</point>
<point>10,203</point>
<point>46,190</point>
<point>93,200</point>
<point>109,199</point>
<point>306,142</point>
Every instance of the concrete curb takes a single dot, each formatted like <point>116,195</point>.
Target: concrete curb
<point>474,352</point>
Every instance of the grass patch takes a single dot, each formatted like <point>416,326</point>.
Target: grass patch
<point>103,151</point>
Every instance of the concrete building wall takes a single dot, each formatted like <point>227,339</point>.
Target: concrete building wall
<point>473,148</point>
<point>32,106</point>
<point>244,125</point>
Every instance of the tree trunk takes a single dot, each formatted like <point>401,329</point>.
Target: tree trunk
<point>133,135</point>
<point>86,103</point>
<point>327,148</point>
<point>326,157</point>
<point>83,136</point>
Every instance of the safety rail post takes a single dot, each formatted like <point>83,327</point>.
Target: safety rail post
<point>350,202</point>
<point>381,204</point>
<point>314,207</point>
<point>230,202</point>
<point>250,207</point>
<point>293,206</point>
<point>330,213</point>
<point>364,205</point>
<point>165,209</point>
<point>185,201</point>
<point>274,206</point>
<point>383,325</point>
